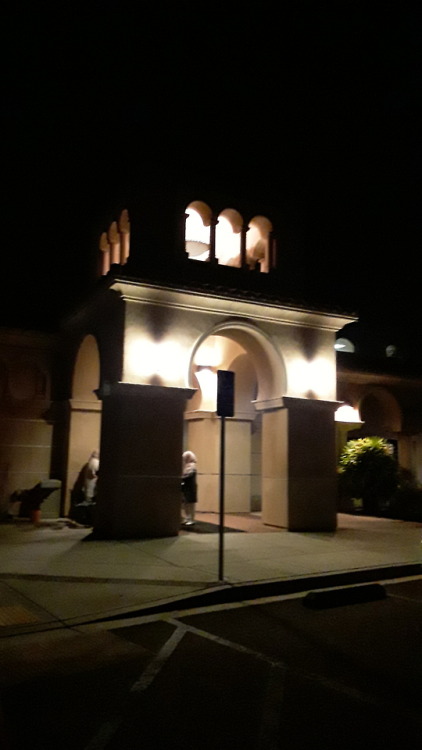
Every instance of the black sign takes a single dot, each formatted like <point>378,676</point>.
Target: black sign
<point>225,393</point>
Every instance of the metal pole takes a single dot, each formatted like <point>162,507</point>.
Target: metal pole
<point>221,528</point>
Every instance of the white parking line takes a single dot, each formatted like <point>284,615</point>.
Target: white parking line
<point>109,728</point>
<point>156,665</point>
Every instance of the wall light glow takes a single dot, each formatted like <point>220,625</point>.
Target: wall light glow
<point>210,353</point>
<point>321,376</point>
<point>165,359</point>
<point>207,379</point>
<point>299,376</point>
<point>315,377</point>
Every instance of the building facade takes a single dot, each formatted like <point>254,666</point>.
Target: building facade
<point>133,374</point>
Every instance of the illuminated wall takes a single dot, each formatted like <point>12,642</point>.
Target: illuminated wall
<point>165,330</point>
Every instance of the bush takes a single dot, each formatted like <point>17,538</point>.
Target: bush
<point>406,503</point>
<point>368,471</point>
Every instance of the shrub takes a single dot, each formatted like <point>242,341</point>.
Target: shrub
<point>406,503</point>
<point>368,471</point>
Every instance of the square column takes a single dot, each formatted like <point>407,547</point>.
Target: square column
<point>312,477</point>
<point>299,479</point>
<point>139,495</point>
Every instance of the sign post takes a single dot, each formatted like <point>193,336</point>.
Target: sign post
<point>225,408</point>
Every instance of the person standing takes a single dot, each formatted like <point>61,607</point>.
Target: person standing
<point>189,487</point>
<point>91,477</point>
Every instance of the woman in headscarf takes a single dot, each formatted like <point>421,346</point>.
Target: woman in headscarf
<point>189,487</point>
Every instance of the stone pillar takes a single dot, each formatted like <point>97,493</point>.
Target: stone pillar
<point>272,251</point>
<point>185,218</point>
<point>312,478</point>
<point>213,225</point>
<point>299,479</point>
<point>105,254</point>
<point>243,258</point>
<point>124,230</point>
<point>275,508</point>
<point>203,438</point>
<point>114,241</point>
<point>140,461</point>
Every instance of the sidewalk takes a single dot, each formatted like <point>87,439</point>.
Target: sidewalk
<point>56,576</point>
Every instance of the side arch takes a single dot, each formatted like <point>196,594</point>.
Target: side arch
<point>86,370</point>
<point>85,412</point>
<point>380,412</point>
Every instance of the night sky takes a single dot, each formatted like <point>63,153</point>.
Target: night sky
<point>312,107</point>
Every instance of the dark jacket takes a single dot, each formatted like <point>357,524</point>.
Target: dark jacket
<point>189,488</point>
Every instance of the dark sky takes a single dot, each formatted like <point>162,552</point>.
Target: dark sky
<point>313,107</point>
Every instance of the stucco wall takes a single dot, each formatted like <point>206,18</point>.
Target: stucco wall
<point>27,420</point>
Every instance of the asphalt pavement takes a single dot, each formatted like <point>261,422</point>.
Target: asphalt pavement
<point>112,645</point>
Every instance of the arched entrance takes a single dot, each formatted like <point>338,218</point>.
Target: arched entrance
<point>380,416</point>
<point>85,411</point>
<point>256,436</point>
<point>380,413</point>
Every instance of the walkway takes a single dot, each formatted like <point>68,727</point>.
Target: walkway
<point>54,575</point>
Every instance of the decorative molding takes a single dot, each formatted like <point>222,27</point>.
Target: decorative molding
<point>77,405</point>
<point>269,404</point>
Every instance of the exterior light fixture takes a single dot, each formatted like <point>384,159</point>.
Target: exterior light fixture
<point>344,345</point>
<point>347,413</point>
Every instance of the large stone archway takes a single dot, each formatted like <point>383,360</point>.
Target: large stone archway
<point>281,439</point>
<point>255,474</point>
